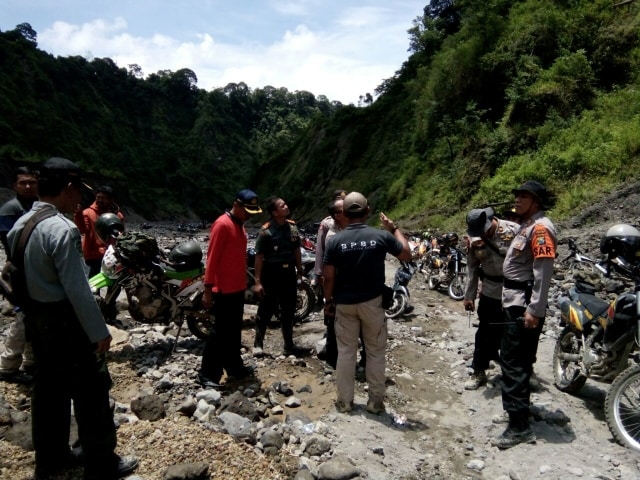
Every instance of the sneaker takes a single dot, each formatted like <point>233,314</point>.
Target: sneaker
<point>477,380</point>
<point>512,437</point>
<point>375,407</point>
<point>121,468</point>
<point>344,407</point>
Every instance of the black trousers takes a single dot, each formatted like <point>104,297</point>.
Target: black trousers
<point>68,369</point>
<point>517,355</point>
<point>331,348</point>
<point>280,295</point>
<point>489,333</point>
<point>222,348</point>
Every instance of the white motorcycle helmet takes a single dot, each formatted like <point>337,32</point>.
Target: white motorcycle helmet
<point>622,240</point>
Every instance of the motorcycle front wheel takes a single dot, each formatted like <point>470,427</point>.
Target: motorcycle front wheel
<point>305,301</point>
<point>432,278</point>
<point>567,374</point>
<point>398,306</point>
<point>200,323</point>
<point>109,310</point>
<point>622,408</point>
<point>456,286</point>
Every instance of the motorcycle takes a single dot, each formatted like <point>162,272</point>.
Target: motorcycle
<point>449,271</point>
<point>597,342</point>
<point>400,304</point>
<point>158,289</point>
<point>306,298</point>
<point>577,261</point>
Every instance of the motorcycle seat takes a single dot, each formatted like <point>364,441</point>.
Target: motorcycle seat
<point>592,304</point>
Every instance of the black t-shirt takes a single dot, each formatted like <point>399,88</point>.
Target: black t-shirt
<point>358,254</point>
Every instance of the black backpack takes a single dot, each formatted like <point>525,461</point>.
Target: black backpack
<point>13,282</point>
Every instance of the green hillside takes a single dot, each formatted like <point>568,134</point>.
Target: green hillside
<point>492,93</point>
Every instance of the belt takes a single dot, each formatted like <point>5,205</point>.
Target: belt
<point>515,285</point>
<point>281,265</point>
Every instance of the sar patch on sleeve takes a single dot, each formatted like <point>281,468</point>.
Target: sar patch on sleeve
<point>542,244</point>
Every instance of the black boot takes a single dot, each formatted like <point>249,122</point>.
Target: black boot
<point>290,348</point>
<point>258,343</point>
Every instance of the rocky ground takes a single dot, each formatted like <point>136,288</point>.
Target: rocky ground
<point>282,423</point>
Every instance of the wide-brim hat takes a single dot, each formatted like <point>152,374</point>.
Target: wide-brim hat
<point>536,189</point>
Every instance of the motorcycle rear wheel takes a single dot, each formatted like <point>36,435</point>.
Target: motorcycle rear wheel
<point>567,374</point>
<point>622,408</point>
<point>398,306</point>
<point>305,301</point>
<point>456,286</point>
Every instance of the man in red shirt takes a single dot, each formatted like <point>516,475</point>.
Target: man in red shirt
<point>92,247</point>
<point>225,282</point>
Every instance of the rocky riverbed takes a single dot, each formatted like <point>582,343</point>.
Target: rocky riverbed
<point>282,423</point>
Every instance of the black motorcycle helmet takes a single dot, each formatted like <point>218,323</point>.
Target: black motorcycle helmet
<point>108,225</point>
<point>623,241</point>
<point>186,253</point>
<point>451,239</point>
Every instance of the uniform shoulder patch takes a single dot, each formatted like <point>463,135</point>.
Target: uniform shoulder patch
<point>265,226</point>
<point>542,244</point>
<point>292,222</point>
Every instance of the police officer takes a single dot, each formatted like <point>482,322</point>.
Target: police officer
<point>278,271</point>
<point>489,240</point>
<point>527,269</point>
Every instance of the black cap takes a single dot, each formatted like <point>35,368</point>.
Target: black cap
<point>479,221</point>
<point>60,169</point>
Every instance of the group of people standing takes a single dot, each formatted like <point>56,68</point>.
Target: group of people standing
<point>69,337</point>
<point>514,265</point>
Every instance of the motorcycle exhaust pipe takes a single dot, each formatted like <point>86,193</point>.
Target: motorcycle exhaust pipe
<point>570,357</point>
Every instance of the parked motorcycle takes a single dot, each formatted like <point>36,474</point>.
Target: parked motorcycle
<point>577,261</point>
<point>158,289</point>
<point>400,304</point>
<point>599,338</point>
<point>448,269</point>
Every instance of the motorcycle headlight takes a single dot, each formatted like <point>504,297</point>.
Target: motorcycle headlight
<point>110,264</point>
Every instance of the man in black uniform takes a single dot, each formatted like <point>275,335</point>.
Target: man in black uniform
<point>278,274</point>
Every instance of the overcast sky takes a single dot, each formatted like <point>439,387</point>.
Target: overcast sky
<point>338,48</point>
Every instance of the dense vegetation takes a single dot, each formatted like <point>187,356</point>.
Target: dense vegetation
<point>169,147</point>
<point>492,93</point>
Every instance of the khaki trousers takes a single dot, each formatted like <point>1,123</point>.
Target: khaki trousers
<point>17,351</point>
<point>368,316</point>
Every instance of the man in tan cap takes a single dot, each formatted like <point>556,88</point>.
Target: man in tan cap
<point>353,283</point>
